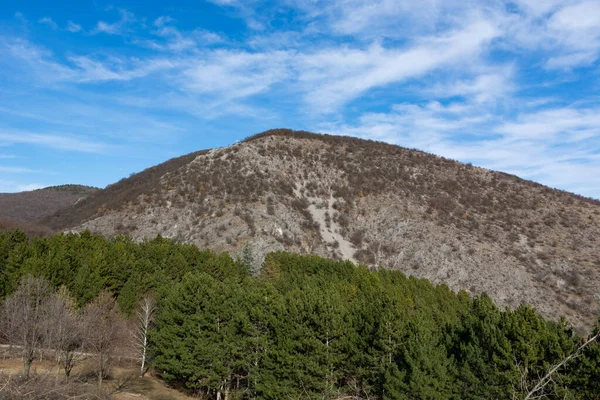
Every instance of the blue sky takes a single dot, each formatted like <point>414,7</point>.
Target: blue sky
<point>92,91</point>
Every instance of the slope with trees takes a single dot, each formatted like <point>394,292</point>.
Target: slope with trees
<point>370,202</point>
<point>303,327</point>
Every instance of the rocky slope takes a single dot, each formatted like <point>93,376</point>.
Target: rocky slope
<point>373,203</point>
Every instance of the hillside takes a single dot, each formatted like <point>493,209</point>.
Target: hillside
<point>26,209</point>
<point>375,203</point>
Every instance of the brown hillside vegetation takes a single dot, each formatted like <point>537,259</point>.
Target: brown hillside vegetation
<point>25,210</point>
<point>117,194</point>
<point>373,203</point>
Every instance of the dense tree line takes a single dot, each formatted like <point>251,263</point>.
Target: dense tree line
<point>303,326</point>
<point>88,264</point>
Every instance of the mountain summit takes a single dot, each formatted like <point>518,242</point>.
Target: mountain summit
<point>370,202</point>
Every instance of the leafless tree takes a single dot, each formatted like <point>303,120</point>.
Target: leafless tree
<point>102,330</point>
<point>144,321</point>
<point>63,331</point>
<point>538,390</point>
<point>23,315</point>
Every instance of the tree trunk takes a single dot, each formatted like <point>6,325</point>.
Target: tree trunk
<point>27,367</point>
<point>143,366</point>
<point>227,386</point>
<point>28,357</point>
<point>68,366</point>
<point>100,369</point>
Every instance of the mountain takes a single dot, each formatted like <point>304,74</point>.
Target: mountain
<point>373,203</point>
<point>26,209</point>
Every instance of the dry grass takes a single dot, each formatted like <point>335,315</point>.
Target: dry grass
<point>47,382</point>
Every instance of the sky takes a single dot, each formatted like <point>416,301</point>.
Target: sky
<point>93,91</point>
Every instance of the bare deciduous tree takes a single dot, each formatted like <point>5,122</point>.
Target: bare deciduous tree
<point>144,321</point>
<point>102,330</point>
<point>63,331</point>
<point>23,316</point>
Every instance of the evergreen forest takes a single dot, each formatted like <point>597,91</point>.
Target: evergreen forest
<point>304,327</point>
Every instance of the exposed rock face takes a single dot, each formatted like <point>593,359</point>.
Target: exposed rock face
<point>373,203</point>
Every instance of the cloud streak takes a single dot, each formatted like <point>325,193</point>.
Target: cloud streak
<point>53,141</point>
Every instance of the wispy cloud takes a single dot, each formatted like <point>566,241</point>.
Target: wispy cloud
<point>48,21</point>
<point>73,27</point>
<point>489,85</point>
<point>507,85</point>
<point>20,17</point>
<point>10,186</point>
<point>19,170</point>
<point>335,77</point>
<point>115,28</point>
<point>53,141</point>
<point>81,68</point>
<point>234,74</point>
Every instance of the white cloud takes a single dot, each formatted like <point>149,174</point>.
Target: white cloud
<point>111,29</point>
<point>487,87</point>
<point>425,127</point>
<point>9,186</point>
<point>336,76</point>
<point>48,21</point>
<point>232,75</point>
<point>386,17</point>
<point>225,2</point>
<point>171,39</point>
<point>245,11</point>
<point>162,20</point>
<point>576,29</point>
<point>54,141</point>
<point>83,69</point>
<point>20,17</point>
<point>577,17</point>
<point>115,28</point>
<point>73,27</point>
<point>175,40</point>
<point>37,59</point>
<point>17,170</point>
<point>540,8</point>
<point>204,37</point>
<point>90,70</point>
<point>563,124</point>
<point>564,34</point>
